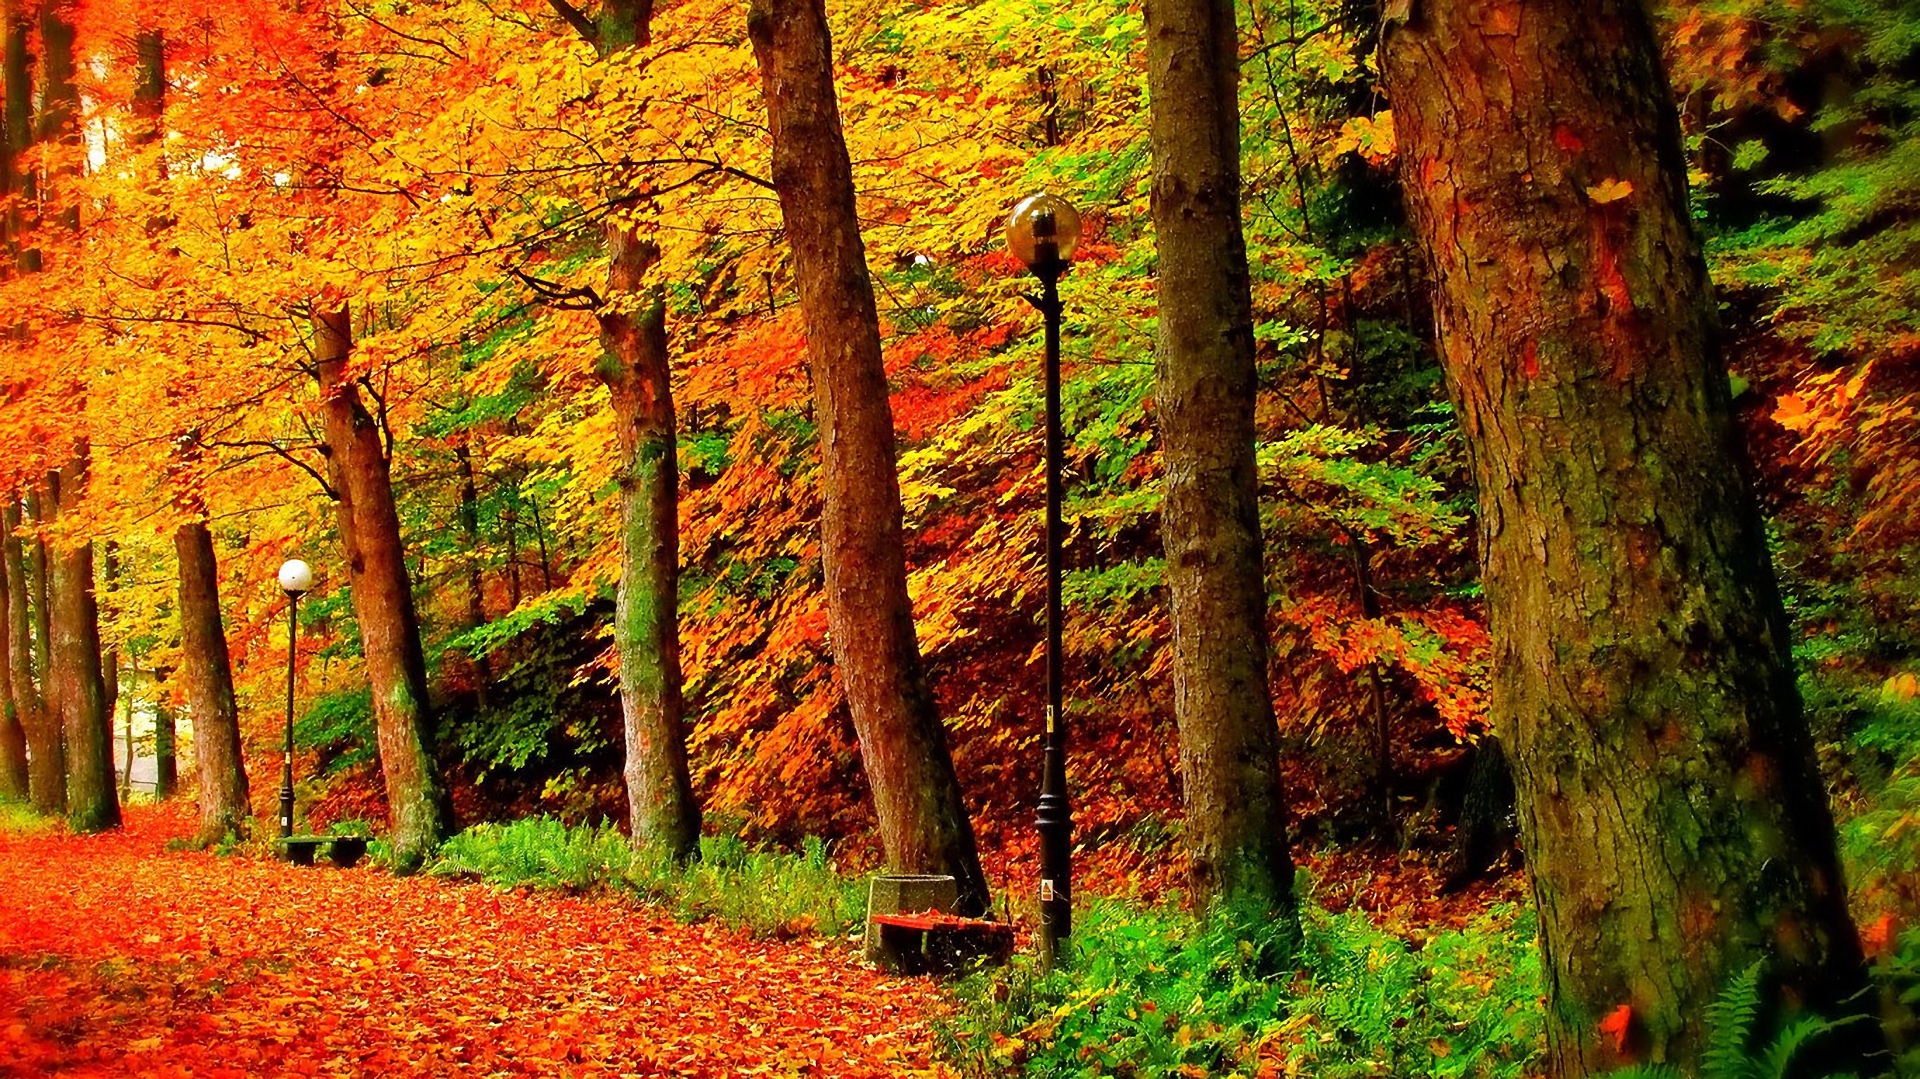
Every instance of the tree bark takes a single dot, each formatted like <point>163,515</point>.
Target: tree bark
<point>369,524</point>
<point>1236,823</point>
<point>79,692</point>
<point>218,756</point>
<point>923,817</point>
<point>46,757</point>
<point>482,670</point>
<point>14,783</point>
<point>646,630</point>
<point>637,370</point>
<point>1672,814</point>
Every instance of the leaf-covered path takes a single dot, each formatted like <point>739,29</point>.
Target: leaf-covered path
<point>118,958</point>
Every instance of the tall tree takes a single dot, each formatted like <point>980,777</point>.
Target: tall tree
<point>1675,825</point>
<point>218,757</point>
<point>1236,824</point>
<point>79,691</point>
<point>369,524</point>
<point>637,370</point>
<point>923,817</point>
<point>14,783</point>
<point>46,764</point>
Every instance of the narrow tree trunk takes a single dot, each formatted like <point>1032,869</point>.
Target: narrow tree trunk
<point>79,691</point>
<point>46,758</point>
<point>110,658</point>
<point>166,761</point>
<point>923,818</point>
<point>14,784</point>
<point>42,627</point>
<point>635,367</point>
<point>218,757</point>
<point>633,331</point>
<point>1236,826</point>
<point>383,601</point>
<point>476,584</point>
<point>1673,817</point>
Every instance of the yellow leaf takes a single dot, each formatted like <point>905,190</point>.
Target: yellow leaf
<point>1609,191</point>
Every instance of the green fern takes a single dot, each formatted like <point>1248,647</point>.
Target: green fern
<point>1730,1052</point>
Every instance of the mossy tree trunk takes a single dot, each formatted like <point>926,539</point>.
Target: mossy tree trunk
<point>79,691</point>
<point>637,370</point>
<point>903,748</point>
<point>1675,825</point>
<point>1236,823</point>
<point>369,523</point>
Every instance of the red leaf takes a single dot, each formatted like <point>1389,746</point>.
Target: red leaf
<point>1616,1023</point>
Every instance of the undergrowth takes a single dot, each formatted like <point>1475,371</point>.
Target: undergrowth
<point>768,893</point>
<point>1154,992</point>
<point>19,818</point>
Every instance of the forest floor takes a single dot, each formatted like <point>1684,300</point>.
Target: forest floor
<point>119,957</point>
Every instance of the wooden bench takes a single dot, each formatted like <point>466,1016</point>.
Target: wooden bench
<point>344,851</point>
<point>929,942</point>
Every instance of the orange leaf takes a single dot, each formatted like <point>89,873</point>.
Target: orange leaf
<point>1617,1023</point>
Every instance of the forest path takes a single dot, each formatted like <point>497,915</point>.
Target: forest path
<point>120,958</point>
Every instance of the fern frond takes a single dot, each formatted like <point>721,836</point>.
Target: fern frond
<point>1730,1021</point>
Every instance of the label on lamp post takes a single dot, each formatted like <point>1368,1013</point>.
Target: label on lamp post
<point>1046,891</point>
<point>1050,719</point>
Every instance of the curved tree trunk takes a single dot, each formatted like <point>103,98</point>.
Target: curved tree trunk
<point>218,756</point>
<point>382,600</point>
<point>1673,817</point>
<point>46,760</point>
<point>903,746</point>
<point>1236,823</point>
<point>79,691</point>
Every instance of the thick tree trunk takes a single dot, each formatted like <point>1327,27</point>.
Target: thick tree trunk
<point>1236,822</point>
<point>14,784</point>
<point>218,756</point>
<point>42,627</point>
<point>382,600</point>
<point>1672,814</point>
<point>79,692</point>
<point>110,662</point>
<point>903,747</point>
<point>46,758</point>
<point>633,331</point>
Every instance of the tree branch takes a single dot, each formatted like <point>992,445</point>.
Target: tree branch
<point>578,20</point>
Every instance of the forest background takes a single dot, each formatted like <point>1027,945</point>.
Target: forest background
<point>444,171</point>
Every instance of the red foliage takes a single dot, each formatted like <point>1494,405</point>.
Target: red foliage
<point>118,958</point>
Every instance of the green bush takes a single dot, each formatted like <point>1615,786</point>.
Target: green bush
<point>18,818</point>
<point>768,893</point>
<point>1156,993</point>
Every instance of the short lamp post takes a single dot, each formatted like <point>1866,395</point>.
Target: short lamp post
<point>296,577</point>
<point>1042,233</point>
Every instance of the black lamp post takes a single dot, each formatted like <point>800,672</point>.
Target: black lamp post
<point>1042,233</point>
<point>295,578</point>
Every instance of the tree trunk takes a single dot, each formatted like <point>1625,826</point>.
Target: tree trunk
<point>1236,823</point>
<point>79,691</point>
<point>110,662</point>
<point>635,367</point>
<point>217,752</point>
<point>14,783</point>
<point>42,627</point>
<point>166,762</point>
<point>382,600</point>
<point>482,670</point>
<point>1672,814</point>
<point>46,758</point>
<point>923,818</point>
